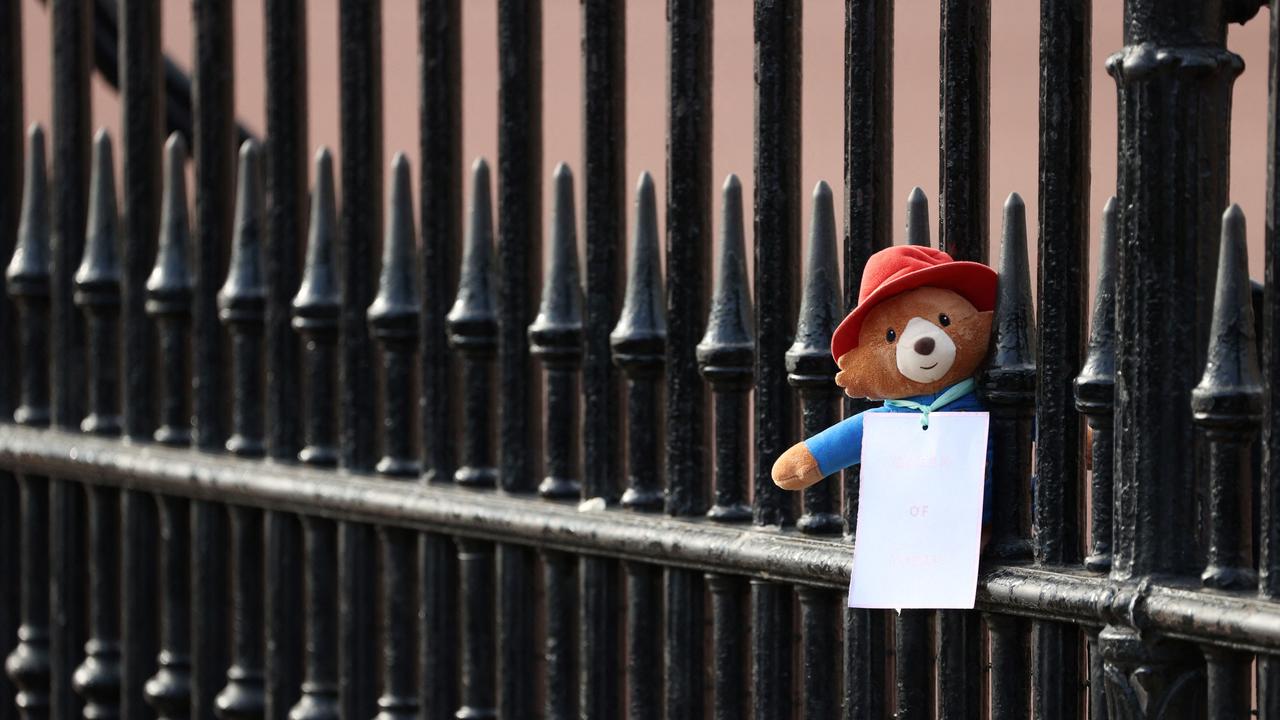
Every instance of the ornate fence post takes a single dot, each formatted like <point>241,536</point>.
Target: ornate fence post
<point>1174,79</point>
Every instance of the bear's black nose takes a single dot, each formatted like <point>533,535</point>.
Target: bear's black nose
<point>924,345</point>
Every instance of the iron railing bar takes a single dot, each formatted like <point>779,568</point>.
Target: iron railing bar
<point>177,83</point>
<point>1174,609</point>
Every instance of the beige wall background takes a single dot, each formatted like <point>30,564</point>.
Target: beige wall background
<point>1014,92</point>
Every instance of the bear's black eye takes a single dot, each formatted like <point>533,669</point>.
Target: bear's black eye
<point>943,320</point>
<point>890,335</point>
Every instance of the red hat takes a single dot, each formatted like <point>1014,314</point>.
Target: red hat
<point>900,268</point>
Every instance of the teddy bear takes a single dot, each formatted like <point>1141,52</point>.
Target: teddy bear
<point>917,337</point>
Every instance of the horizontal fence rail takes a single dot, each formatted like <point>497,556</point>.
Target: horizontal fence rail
<point>275,457</point>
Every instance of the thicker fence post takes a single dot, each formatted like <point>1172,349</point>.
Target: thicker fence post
<point>1174,77</point>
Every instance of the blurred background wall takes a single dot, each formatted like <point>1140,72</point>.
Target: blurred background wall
<point>1014,92</point>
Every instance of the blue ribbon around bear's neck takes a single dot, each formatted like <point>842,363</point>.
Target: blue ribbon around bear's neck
<point>953,393</point>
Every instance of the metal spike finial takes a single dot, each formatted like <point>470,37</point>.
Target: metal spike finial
<point>558,327</point>
<point>641,332</point>
<point>1095,386</point>
<point>1227,406</point>
<point>319,300</point>
<point>473,333</point>
<point>1230,391</point>
<point>728,345</point>
<point>243,296</point>
<point>555,338</point>
<point>394,312</point>
<point>918,218</point>
<point>1013,327</point>
<point>809,358</point>
<point>27,274</point>
<point>169,285</point>
<point>473,317</point>
<point>97,279</point>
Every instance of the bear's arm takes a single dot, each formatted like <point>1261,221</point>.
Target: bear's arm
<point>839,446</point>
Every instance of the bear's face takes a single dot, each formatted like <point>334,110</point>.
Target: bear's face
<point>915,343</point>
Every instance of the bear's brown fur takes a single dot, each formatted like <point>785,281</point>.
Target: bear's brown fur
<point>870,370</point>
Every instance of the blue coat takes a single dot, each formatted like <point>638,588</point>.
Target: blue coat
<point>840,445</point>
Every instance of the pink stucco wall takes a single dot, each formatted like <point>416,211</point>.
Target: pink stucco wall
<point>1014,85</point>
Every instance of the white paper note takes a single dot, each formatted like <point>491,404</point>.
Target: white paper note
<point>919,511</point>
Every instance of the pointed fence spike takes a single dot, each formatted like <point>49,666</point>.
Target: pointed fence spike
<point>474,314</point>
<point>97,279</point>
<point>1013,326</point>
<point>728,343</point>
<point>394,312</point>
<point>1227,406</point>
<point>1231,388</point>
<point>243,296</point>
<point>169,285</point>
<point>318,300</point>
<point>810,354</point>
<point>555,338</point>
<point>558,326</point>
<point>641,332</point>
<point>918,218</point>
<point>27,274</point>
<point>1095,386</point>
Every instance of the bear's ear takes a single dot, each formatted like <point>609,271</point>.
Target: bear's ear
<point>869,371</point>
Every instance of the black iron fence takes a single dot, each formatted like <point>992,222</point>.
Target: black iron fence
<point>241,482</point>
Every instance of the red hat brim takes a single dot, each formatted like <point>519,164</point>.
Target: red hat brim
<point>974,282</point>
